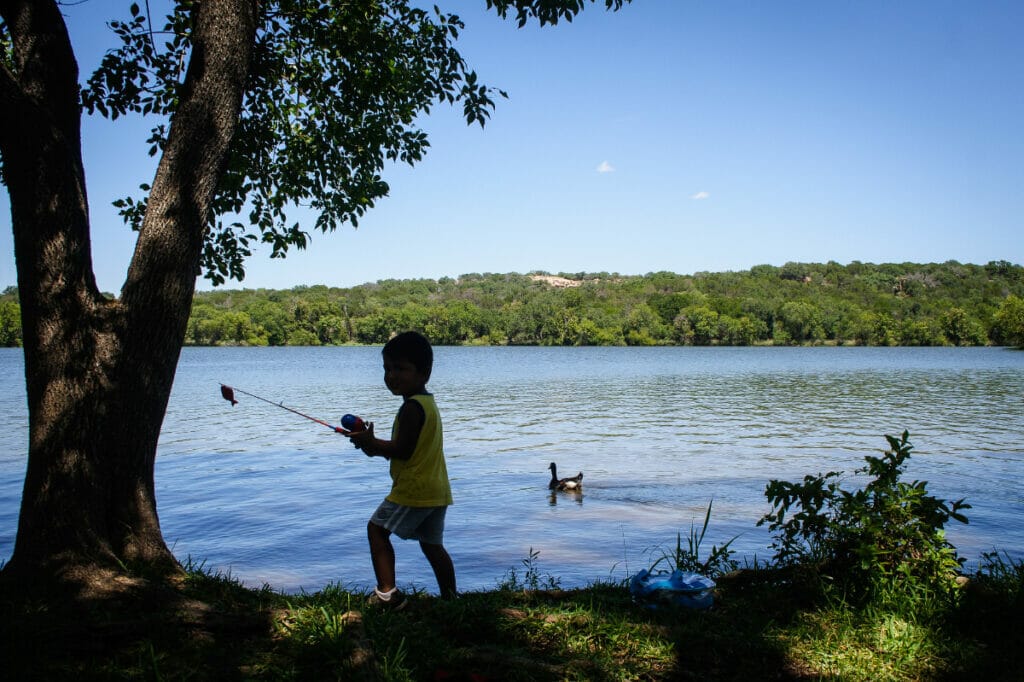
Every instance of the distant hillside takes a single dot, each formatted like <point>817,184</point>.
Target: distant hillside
<point>798,303</point>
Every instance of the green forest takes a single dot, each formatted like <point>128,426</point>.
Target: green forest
<point>891,304</point>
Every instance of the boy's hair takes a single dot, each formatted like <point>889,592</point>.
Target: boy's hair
<point>411,346</point>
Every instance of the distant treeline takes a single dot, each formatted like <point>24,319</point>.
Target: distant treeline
<point>798,303</point>
<point>886,304</point>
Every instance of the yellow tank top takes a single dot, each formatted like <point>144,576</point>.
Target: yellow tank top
<point>422,480</point>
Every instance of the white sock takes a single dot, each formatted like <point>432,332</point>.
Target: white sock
<point>385,596</point>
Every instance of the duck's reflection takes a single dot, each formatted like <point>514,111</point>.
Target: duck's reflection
<point>574,495</point>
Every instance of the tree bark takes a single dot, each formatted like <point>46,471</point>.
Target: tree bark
<point>99,372</point>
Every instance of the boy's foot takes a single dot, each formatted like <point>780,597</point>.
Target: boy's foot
<point>393,601</point>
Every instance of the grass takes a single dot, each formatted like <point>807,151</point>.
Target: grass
<point>765,625</point>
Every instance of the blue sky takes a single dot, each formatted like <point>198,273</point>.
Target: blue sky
<point>672,135</point>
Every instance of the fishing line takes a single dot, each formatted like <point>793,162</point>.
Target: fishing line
<point>350,422</point>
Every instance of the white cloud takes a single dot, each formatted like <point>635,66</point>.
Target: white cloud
<point>605,167</point>
<point>701,195</point>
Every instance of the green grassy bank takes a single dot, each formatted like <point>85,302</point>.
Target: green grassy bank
<point>766,624</point>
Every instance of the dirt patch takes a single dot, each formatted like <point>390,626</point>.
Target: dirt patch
<point>557,282</point>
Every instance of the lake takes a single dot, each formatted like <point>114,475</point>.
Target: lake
<point>660,433</point>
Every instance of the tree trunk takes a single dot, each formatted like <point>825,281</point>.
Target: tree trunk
<point>99,372</point>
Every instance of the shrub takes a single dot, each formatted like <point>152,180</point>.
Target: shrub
<point>882,541</point>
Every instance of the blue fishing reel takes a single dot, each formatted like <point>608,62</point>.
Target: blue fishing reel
<point>350,422</point>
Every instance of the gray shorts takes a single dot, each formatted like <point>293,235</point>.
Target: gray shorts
<point>425,524</point>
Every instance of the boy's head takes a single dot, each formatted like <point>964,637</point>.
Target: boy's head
<point>413,347</point>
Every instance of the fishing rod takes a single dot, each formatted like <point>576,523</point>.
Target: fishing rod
<point>349,423</point>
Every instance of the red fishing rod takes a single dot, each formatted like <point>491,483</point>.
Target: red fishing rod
<point>350,422</point>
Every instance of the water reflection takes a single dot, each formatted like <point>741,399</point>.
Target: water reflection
<point>565,495</point>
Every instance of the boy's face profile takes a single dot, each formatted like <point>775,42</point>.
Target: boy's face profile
<point>403,378</point>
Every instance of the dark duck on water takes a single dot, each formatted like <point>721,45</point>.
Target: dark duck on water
<point>574,483</point>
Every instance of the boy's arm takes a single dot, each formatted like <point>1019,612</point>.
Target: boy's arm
<point>410,422</point>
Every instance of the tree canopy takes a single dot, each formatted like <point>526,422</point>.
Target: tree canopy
<point>333,93</point>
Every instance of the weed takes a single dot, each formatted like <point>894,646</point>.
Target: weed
<point>531,578</point>
<point>393,666</point>
<point>719,560</point>
<point>1003,574</point>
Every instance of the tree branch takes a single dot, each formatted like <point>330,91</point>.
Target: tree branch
<point>167,254</point>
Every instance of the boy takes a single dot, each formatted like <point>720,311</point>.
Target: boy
<point>420,491</point>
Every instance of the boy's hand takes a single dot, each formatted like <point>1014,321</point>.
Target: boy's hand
<point>363,439</point>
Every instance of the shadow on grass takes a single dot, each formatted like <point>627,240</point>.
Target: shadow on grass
<point>985,634</point>
<point>595,633</point>
<point>210,628</point>
<point>176,629</point>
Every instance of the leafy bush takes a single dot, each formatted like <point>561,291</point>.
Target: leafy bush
<point>10,324</point>
<point>884,540</point>
<point>1009,321</point>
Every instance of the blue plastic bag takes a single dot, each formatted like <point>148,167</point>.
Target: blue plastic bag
<point>678,588</point>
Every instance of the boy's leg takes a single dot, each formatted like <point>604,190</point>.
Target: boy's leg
<point>382,555</point>
<point>444,569</point>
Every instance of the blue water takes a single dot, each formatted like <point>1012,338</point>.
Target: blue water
<point>257,492</point>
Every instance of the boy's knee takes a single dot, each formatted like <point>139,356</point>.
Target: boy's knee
<point>375,532</point>
<point>431,549</point>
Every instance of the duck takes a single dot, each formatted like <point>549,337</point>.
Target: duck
<point>574,483</point>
